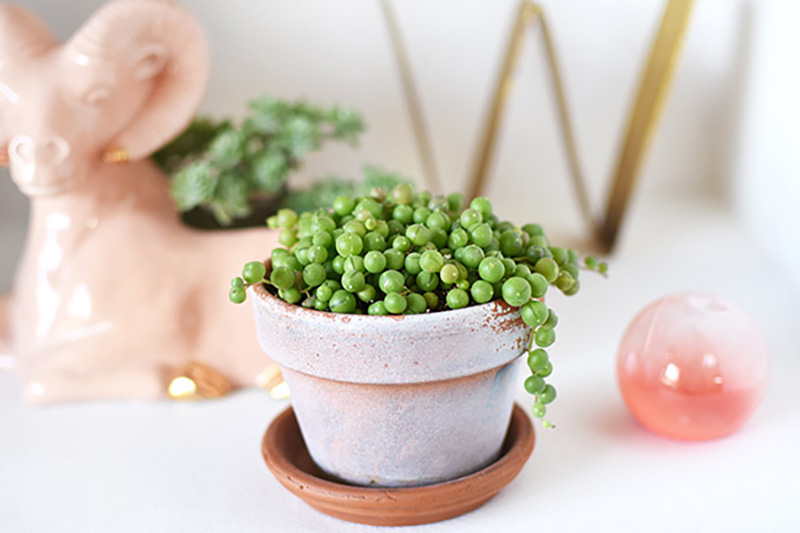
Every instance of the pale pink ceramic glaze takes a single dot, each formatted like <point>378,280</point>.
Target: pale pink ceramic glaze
<point>112,290</point>
<point>692,366</point>
<point>6,358</point>
<point>397,400</point>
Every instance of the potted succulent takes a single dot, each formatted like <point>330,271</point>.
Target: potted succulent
<point>399,321</point>
<point>226,174</point>
<point>324,191</point>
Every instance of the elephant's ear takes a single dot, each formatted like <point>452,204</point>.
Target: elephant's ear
<point>156,39</point>
<point>22,34</point>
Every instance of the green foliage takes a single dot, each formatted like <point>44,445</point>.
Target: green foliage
<point>221,166</point>
<point>394,251</point>
<point>190,144</point>
<point>322,193</point>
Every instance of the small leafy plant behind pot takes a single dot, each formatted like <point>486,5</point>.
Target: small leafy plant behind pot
<point>225,174</point>
<point>398,320</point>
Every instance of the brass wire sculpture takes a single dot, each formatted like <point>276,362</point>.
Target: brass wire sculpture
<point>642,123</point>
<point>413,103</point>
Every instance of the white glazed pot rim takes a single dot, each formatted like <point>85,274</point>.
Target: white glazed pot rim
<point>304,314</point>
<point>388,349</point>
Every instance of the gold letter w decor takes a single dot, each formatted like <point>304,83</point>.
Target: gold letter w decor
<point>644,115</point>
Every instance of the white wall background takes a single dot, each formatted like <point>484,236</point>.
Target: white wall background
<point>339,52</point>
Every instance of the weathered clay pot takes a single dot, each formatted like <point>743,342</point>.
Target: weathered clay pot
<point>397,400</point>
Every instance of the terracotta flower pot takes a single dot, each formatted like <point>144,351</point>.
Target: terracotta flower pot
<point>397,400</point>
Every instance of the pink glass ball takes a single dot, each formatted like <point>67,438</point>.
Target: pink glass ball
<point>692,367</point>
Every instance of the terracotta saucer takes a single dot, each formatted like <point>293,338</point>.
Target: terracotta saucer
<point>287,457</point>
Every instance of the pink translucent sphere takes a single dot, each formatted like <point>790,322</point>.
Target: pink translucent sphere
<point>692,366</point>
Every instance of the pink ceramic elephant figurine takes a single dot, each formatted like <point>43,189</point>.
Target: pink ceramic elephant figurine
<point>113,292</point>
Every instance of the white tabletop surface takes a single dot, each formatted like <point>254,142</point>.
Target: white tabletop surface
<point>151,467</point>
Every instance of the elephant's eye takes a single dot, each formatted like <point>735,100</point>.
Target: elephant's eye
<point>97,95</point>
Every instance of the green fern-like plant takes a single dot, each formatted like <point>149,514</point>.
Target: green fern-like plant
<point>221,165</point>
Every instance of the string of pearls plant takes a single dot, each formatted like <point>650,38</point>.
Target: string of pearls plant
<point>410,252</point>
